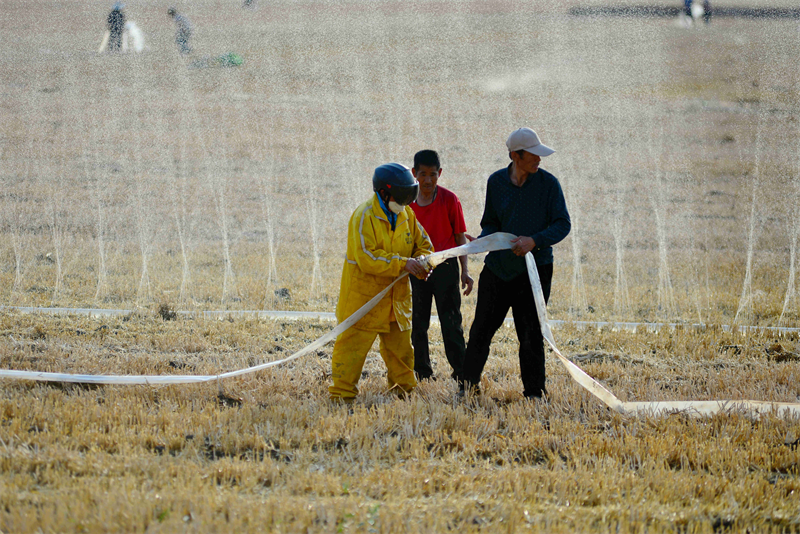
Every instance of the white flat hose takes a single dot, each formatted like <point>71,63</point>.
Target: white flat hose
<point>645,408</point>
<point>104,43</point>
<point>193,379</point>
<point>496,241</point>
<point>486,244</point>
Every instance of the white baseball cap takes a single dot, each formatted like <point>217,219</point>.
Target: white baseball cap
<point>527,140</point>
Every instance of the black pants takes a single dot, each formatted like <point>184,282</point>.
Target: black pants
<point>495,297</point>
<point>442,285</point>
<point>182,40</point>
<point>115,40</point>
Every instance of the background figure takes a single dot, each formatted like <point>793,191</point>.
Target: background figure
<point>116,25</point>
<point>693,11</point>
<point>440,213</point>
<point>183,31</point>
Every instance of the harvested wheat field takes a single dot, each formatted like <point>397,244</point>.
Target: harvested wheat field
<point>152,183</point>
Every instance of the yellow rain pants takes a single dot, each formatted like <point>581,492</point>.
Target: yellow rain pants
<point>350,352</point>
<point>376,255</point>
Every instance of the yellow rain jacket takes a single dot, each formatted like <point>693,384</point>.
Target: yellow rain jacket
<point>376,255</point>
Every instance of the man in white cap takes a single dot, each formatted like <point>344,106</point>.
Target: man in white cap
<point>527,201</point>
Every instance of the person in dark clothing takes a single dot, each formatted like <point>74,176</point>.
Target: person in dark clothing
<point>116,25</point>
<point>692,11</point>
<point>526,201</point>
<point>183,31</point>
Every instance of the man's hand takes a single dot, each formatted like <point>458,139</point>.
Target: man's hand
<point>416,268</point>
<point>522,245</point>
<point>425,262</point>
<point>466,282</point>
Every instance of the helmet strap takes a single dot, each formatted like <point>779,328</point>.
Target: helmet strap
<point>385,196</point>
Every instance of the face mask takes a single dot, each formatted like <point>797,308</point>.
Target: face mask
<point>396,208</point>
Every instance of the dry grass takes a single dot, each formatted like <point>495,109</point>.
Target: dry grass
<point>269,452</point>
<point>140,183</point>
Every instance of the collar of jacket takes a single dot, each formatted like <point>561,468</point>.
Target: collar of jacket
<point>377,210</point>
<point>530,177</point>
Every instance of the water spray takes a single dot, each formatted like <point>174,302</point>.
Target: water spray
<point>178,191</point>
<point>794,202</point>
<point>658,199</point>
<point>311,203</point>
<point>745,308</point>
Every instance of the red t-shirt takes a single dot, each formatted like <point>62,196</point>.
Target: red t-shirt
<point>442,219</point>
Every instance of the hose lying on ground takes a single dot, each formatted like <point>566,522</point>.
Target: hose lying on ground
<point>497,241</point>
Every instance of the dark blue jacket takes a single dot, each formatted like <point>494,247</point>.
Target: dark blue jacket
<point>116,22</point>
<point>537,210</point>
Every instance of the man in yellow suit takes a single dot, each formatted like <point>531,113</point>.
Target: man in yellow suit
<point>384,239</point>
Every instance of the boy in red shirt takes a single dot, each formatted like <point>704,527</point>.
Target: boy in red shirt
<point>439,211</point>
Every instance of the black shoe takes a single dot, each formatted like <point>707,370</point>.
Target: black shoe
<point>465,389</point>
<point>539,395</point>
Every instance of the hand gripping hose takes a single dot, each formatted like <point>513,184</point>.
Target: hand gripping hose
<point>497,241</point>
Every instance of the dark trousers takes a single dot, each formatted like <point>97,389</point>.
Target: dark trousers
<point>495,297</point>
<point>442,285</point>
<point>115,40</point>
<point>182,40</point>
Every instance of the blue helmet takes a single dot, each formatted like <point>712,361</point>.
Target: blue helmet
<point>396,181</point>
